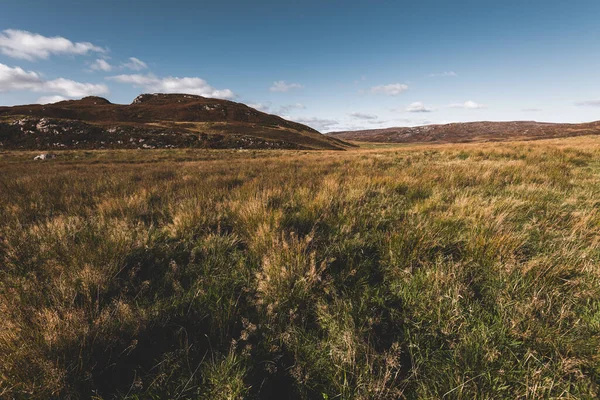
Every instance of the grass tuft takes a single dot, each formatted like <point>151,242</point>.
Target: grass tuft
<point>423,271</point>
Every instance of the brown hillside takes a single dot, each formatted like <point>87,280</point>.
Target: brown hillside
<point>471,132</point>
<point>156,120</point>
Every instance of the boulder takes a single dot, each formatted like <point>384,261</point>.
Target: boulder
<point>44,156</point>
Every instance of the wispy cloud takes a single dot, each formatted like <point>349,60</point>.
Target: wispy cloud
<point>70,88</point>
<point>51,99</point>
<point>588,103</point>
<point>171,84</point>
<point>260,107</point>
<point>16,79</point>
<point>281,110</point>
<point>135,64</point>
<point>101,65</point>
<point>289,107</point>
<point>392,89</point>
<point>32,46</point>
<point>418,107</point>
<point>362,78</point>
<point>320,124</point>
<point>363,116</point>
<point>469,105</point>
<point>533,109</point>
<point>445,74</point>
<point>283,86</point>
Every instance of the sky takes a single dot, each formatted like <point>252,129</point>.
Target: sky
<point>333,65</point>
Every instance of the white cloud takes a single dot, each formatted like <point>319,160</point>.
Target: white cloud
<point>470,105</point>
<point>537,109</point>
<point>282,110</point>
<point>418,107</point>
<point>260,107</point>
<point>69,88</point>
<point>588,103</point>
<point>170,84</point>
<point>15,78</point>
<point>319,124</point>
<point>283,86</point>
<point>444,74</point>
<point>289,107</point>
<point>50,99</point>
<point>393,89</point>
<point>135,64</point>
<point>31,46</point>
<point>136,79</point>
<point>101,65</point>
<point>363,116</point>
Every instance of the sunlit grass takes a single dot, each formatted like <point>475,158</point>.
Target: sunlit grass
<point>464,271</point>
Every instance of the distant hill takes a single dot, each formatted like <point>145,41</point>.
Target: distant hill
<point>471,132</point>
<point>154,121</point>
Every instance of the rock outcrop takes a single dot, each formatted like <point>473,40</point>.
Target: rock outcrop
<point>154,121</point>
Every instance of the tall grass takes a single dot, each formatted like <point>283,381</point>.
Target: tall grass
<point>454,271</point>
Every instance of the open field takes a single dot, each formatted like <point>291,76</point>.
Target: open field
<point>443,271</point>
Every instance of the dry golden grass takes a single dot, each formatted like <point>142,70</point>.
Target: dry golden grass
<point>441,271</point>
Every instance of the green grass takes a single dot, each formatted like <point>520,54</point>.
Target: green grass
<point>442,271</point>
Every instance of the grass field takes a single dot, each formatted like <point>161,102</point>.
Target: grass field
<point>447,271</point>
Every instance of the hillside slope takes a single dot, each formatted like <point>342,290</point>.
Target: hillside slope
<point>471,132</point>
<point>153,121</point>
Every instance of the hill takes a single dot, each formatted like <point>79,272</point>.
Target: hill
<point>153,121</point>
<point>471,132</point>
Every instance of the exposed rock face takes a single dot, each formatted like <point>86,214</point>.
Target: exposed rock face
<point>142,98</point>
<point>50,133</point>
<point>177,120</point>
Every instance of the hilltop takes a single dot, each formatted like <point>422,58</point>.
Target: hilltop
<point>153,121</point>
<point>471,132</point>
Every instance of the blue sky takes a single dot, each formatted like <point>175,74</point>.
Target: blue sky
<point>334,65</point>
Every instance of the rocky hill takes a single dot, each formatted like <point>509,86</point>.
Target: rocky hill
<point>153,121</point>
<point>471,132</point>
